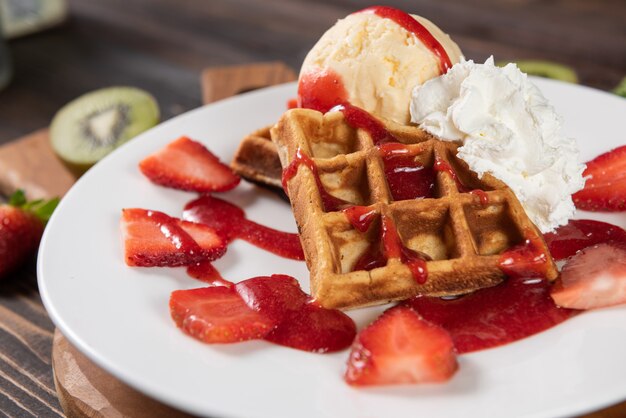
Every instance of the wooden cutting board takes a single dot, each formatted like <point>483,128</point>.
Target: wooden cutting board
<point>84,389</point>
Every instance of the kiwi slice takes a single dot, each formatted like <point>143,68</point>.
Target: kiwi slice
<point>620,89</point>
<point>546,69</point>
<point>93,125</point>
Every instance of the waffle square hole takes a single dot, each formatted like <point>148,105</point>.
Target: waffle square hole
<point>411,175</point>
<point>428,231</point>
<point>345,178</point>
<point>466,179</point>
<point>333,138</point>
<point>492,228</point>
<point>349,245</point>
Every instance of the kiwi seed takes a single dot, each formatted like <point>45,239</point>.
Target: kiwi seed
<point>93,125</point>
<point>546,69</point>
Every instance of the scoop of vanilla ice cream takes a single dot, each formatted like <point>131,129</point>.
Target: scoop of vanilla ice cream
<point>507,129</point>
<point>378,61</point>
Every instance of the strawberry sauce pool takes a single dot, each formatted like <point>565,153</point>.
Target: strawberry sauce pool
<point>513,310</point>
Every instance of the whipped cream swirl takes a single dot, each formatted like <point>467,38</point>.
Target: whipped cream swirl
<point>507,129</point>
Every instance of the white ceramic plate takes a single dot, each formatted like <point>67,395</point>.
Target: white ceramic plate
<point>118,316</point>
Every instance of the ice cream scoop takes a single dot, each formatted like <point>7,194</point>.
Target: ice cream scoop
<point>373,59</point>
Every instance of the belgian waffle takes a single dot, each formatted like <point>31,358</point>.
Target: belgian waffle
<point>459,235</point>
<point>256,159</point>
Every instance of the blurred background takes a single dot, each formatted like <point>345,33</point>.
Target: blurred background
<point>162,45</point>
<point>53,51</point>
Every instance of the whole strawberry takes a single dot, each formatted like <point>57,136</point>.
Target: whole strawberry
<point>21,226</point>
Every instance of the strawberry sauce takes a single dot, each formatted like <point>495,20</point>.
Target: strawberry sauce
<point>441,165</point>
<point>174,233</point>
<point>407,179</point>
<point>330,202</point>
<point>301,322</point>
<point>358,118</point>
<point>390,245</point>
<point>524,260</point>
<point>230,222</point>
<point>410,24</point>
<point>513,310</point>
<point>207,273</point>
<point>567,240</point>
<point>321,90</point>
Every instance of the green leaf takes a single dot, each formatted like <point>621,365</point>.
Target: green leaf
<point>41,208</point>
<point>18,198</point>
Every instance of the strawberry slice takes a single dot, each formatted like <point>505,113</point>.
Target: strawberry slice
<point>593,278</point>
<point>301,323</point>
<point>217,315</point>
<point>274,296</point>
<point>154,239</point>
<point>605,188</point>
<point>188,165</point>
<point>581,233</point>
<point>401,347</point>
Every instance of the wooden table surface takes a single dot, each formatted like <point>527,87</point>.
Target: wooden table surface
<point>162,46</point>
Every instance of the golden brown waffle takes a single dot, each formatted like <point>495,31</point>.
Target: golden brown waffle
<point>462,236</point>
<point>256,159</point>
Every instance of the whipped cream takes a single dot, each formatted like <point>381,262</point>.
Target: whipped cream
<point>508,129</point>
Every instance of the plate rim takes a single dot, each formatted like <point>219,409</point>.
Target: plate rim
<point>128,378</point>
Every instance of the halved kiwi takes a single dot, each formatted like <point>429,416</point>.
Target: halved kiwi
<point>93,125</point>
<point>546,69</point>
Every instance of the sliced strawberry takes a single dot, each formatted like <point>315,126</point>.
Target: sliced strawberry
<point>314,328</point>
<point>188,165</point>
<point>581,233</point>
<point>301,322</point>
<point>605,188</point>
<point>154,239</point>
<point>273,296</point>
<point>595,277</point>
<point>401,347</point>
<point>217,315</point>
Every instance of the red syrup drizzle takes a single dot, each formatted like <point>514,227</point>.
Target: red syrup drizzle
<point>407,179</point>
<point>410,24</point>
<point>515,309</point>
<point>390,245</point>
<point>330,202</point>
<point>174,233</point>
<point>321,90</point>
<point>393,247</point>
<point>207,273</point>
<point>230,223</point>
<point>525,260</point>
<point>292,103</point>
<point>567,240</point>
<point>358,118</point>
<point>441,165</point>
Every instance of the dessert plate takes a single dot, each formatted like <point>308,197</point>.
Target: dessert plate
<point>118,316</point>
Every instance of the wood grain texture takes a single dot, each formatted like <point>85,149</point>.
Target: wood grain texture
<point>221,82</point>
<point>87,391</point>
<point>163,46</point>
<point>29,163</point>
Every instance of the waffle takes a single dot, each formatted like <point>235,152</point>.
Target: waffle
<point>256,159</point>
<point>459,236</point>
